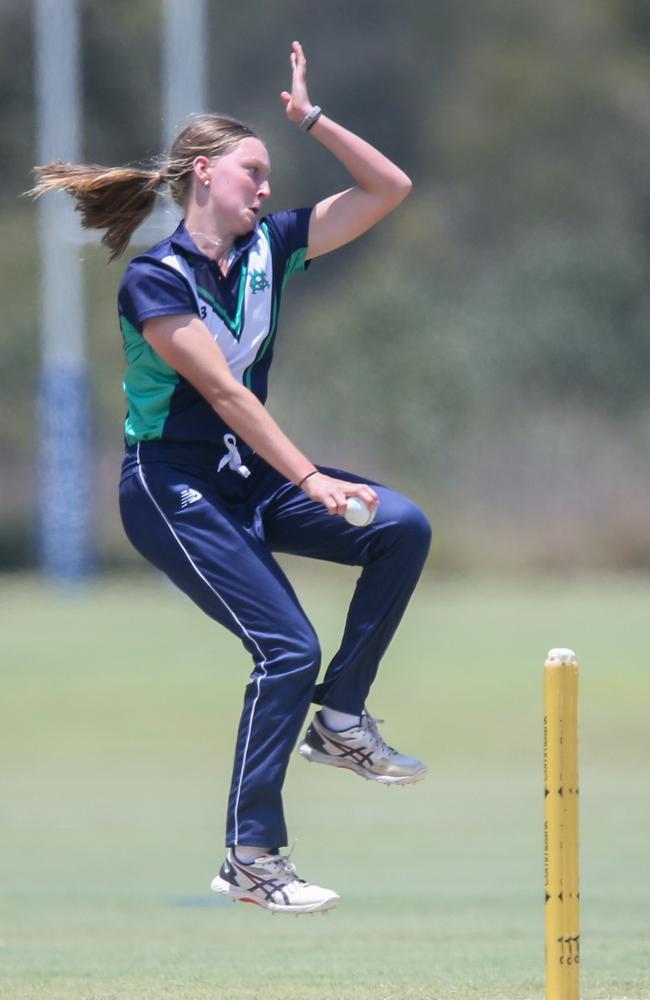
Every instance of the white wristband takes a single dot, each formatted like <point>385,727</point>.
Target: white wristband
<point>311,118</point>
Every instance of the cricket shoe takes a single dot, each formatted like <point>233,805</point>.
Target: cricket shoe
<point>360,749</point>
<point>272,883</point>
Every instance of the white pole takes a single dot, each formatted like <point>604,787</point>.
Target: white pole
<point>183,64</point>
<point>64,440</point>
<point>184,89</point>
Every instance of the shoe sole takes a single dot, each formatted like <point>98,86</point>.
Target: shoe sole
<point>223,888</point>
<point>316,757</point>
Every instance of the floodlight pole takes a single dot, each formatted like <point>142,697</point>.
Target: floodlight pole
<point>65,461</point>
<point>184,88</point>
<point>65,464</point>
<point>183,63</point>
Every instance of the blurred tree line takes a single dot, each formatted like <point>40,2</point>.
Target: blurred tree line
<point>487,347</point>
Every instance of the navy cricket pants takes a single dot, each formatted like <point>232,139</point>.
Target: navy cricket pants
<point>213,533</point>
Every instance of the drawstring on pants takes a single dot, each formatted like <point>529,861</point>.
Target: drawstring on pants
<point>232,458</point>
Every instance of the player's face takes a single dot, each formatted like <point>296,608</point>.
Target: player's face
<point>239,184</point>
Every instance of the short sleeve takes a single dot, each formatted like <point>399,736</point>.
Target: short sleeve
<point>149,288</point>
<point>289,233</point>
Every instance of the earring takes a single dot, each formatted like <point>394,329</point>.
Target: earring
<point>206,184</point>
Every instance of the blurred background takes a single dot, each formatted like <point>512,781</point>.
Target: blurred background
<point>485,349</point>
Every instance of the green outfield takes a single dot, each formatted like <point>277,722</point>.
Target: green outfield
<point>118,712</point>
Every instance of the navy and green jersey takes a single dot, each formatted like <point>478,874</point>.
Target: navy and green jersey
<point>240,309</point>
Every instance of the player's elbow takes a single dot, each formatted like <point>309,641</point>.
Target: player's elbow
<point>399,188</point>
<point>403,187</point>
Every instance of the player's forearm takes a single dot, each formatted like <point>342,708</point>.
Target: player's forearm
<point>372,171</point>
<point>244,413</point>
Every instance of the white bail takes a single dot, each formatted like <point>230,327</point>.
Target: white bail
<point>232,458</point>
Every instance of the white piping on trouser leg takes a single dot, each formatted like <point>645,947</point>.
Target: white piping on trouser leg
<point>232,458</point>
<point>236,619</point>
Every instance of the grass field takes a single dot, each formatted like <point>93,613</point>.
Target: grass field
<point>118,714</point>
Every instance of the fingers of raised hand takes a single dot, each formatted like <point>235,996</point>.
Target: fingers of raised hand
<point>297,53</point>
<point>298,62</point>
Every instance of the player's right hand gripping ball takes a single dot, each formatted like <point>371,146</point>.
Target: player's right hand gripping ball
<point>359,513</point>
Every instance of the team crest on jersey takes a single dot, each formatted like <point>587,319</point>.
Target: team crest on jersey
<point>258,281</point>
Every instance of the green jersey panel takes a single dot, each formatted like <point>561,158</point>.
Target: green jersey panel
<point>149,385</point>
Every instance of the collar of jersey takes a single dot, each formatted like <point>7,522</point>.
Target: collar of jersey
<point>181,240</point>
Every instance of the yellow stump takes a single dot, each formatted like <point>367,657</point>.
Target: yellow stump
<point>561,826</point>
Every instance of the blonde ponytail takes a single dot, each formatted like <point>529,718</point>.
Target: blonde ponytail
<point>116,199</point>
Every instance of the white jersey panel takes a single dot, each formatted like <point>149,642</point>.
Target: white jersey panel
<point>241,347</point>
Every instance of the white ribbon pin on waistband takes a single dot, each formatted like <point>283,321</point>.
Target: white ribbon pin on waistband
<point>232,458</point>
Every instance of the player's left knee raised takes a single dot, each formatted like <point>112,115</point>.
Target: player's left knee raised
<point>413,525</point>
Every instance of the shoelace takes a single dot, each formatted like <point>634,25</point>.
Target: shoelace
<point>371,723</point>
<point>282,865</point>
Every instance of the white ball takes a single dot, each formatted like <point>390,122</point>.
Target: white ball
<point>359,513</point>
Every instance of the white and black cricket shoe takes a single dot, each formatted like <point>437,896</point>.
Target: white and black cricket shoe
<point>272,883</point>
<point>360,749</point>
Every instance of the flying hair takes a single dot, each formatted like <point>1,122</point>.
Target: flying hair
<point>119,199</point>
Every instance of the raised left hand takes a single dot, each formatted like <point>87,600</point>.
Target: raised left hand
<point>297,103</point>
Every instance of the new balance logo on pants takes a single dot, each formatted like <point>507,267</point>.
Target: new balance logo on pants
<point>190,496</point>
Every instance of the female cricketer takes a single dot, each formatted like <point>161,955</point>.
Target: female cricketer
<point>211,487</point>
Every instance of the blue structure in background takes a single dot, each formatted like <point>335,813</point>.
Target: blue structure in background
<point>65,457</point>
<point>65,473</point>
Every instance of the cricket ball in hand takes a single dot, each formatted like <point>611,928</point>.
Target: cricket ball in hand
<point>359,513</point>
